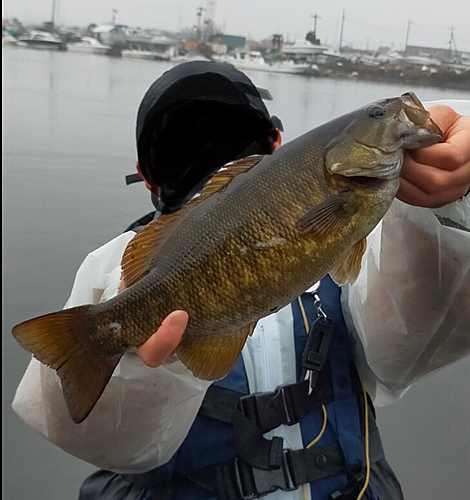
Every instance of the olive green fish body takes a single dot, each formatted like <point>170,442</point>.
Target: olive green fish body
<point>241,254</point>
<point>262,232</point>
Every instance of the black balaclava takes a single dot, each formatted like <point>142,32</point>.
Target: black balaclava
<point>193,120</point>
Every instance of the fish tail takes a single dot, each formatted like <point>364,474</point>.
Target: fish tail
<point>61,341</point>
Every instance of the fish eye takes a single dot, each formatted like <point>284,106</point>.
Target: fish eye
<point>375,111</point>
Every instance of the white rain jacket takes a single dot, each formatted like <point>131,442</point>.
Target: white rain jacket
<point>410,309</point>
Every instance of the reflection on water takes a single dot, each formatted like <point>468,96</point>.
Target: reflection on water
<point>69,123</point>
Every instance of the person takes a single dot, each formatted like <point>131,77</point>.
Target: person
<point>266,429</point>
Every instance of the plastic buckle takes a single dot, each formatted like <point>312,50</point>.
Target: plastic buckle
<point>287,402</point>
<point>316,349</point>
<point>351,489</point>
<point>249,405</point>
<point>264,481</point>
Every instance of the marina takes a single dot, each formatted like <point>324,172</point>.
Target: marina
<point>307,56</point>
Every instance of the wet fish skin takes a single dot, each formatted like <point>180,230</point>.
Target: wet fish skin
<point>240,252</point>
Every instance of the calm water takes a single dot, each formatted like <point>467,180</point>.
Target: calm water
<point>68,143</point>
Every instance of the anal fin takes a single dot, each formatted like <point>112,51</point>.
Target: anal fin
<point>348,269</point>
<point>212,356</point>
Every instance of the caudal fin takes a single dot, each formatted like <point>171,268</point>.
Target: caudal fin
<point>61,341</point>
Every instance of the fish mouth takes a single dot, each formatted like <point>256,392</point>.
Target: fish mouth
<point>422,130</point>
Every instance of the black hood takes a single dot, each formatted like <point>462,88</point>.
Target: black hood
<point>193,120</point>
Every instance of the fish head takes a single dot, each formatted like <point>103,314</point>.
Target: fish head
<point>373,142</point>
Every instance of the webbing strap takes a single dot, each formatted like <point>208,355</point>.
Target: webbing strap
<point>237,480</point>
<point>286,405</point>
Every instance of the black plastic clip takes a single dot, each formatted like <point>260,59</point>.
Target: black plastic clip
<point>316,349</point>
<point>255,483</point>
<point>351,490</point>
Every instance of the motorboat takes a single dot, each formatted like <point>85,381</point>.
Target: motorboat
<point>145,54</point>
<point>42,40</point>
<point>303,47</point>
<point>89,45</point>
<point>421,61</point>
<point>254,61</point>
<point>189,57</point>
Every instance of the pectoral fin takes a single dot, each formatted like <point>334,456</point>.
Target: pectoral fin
<point>212,356</point>
<point>327,216</point>
<point>348,269</point>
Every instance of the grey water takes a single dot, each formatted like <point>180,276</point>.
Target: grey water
<point>69,127</point>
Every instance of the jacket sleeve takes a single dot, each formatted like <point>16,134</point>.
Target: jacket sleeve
<point>410,307</point>
<point>144,413</point>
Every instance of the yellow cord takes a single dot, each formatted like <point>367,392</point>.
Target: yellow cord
<point>325,414</point>
<point>320,434</point>
<point>366,413</point>
<point>304,316</point>
<point>325,418</point>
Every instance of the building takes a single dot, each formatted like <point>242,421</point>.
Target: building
<point>437,53</point>
<point>231,41</point>
<point>109,34</point>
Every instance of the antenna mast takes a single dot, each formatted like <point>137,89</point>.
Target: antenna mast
<point>407,34</point>
<point>341,33</point>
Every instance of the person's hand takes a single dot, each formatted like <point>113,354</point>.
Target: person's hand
<point>165,340</point>
<point>440,174</point>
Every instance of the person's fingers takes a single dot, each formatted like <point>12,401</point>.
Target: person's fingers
<point>452,153</point>
<point>413,195</point>
<point>431,179</point>
<point>164,341</point>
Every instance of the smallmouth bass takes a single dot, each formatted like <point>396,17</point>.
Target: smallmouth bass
<point>262,231</point>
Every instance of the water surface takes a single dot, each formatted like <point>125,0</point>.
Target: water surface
<point>69,127</point>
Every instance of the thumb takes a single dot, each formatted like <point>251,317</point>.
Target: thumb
<point>165,340</point>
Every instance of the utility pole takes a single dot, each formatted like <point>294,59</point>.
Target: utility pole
<point>199,15</point>
<point>341,34</point>
<point>114,16</point>
<point>451,39</point>
<point>407,35</point>
<point>53,16</point>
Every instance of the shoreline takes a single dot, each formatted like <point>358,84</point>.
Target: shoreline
<point>443,78</point>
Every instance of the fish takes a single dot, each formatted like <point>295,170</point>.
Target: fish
<point>262,231</point>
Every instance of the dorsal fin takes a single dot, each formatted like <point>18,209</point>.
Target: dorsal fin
<point>223,177</point>
<point>143,248</point>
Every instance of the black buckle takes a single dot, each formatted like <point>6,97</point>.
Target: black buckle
<point>249,405</point>
<point>351,490</point>
<point>316,349</point>
<point>262,482</point>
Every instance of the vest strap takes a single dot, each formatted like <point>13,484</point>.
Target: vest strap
<point>238,480</point>
<point>286,405</point>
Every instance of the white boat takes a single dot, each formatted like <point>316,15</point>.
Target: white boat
<point>42,40</point>
<point>188,58</point>
<point>421,61</point>
<point>254,61</point>
<point>143,54</point>
<point>303,47</point>
<point>89,45</point>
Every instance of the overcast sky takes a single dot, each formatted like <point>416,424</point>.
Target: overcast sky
<point>379,21</point>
